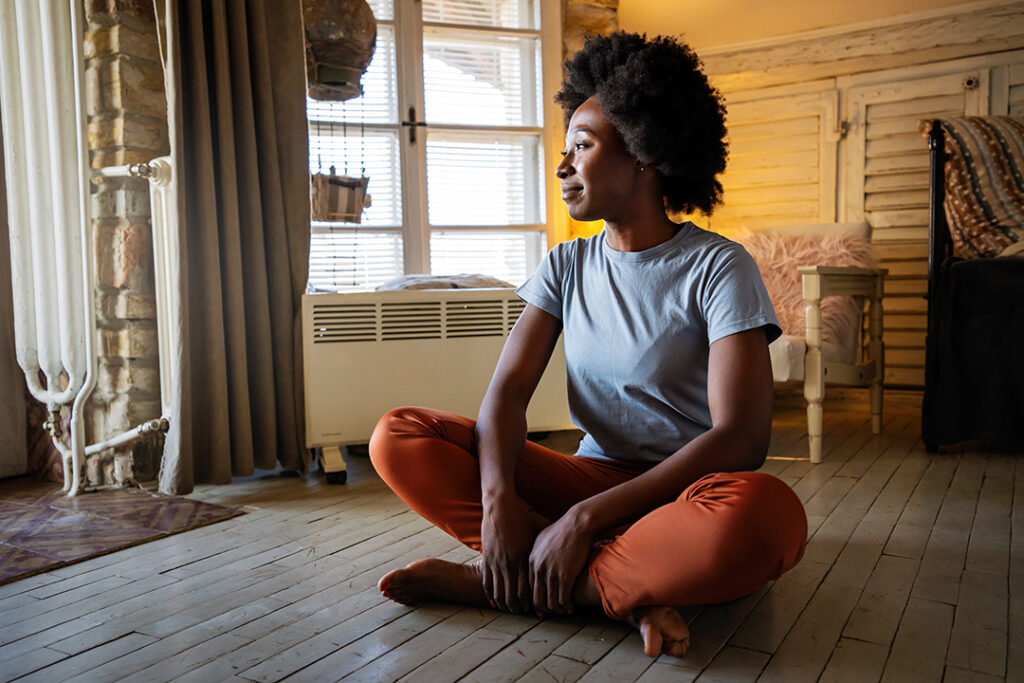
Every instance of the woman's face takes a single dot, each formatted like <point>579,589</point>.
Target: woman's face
<point>597,172</point>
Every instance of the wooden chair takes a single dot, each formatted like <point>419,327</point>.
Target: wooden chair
<point>869,371</point>
<point>807,350</point>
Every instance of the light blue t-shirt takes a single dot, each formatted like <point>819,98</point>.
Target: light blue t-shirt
<point>637,329</point>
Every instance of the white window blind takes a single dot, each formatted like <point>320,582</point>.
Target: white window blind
<point>352,259</point>
<point>483,179</point>
<point>379,101</point>
<point>383,10</point>
<point>505,255</point>
<point>474,79</point>
<point>461,191</point>
<point>515,14</point>
<point>376,152</point>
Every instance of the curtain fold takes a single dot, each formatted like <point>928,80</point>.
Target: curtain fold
<point>239,140</point>
<point>13,447</point>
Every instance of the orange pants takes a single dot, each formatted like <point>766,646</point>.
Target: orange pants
<point>725,536</point>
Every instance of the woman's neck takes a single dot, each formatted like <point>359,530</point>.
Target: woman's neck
<point>639,233</point>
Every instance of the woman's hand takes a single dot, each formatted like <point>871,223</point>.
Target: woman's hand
<point>506,535</point>
<point>559,555</point>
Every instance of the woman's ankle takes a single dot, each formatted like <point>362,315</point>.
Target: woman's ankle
<point>585,592</point>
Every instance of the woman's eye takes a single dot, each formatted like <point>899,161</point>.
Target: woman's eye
<point>580,145</point>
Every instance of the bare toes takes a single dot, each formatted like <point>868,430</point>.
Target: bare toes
<point>677,648</point>
<point>433,580</point>
<point>663,630</point>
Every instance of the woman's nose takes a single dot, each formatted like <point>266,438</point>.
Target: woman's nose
<point>562,170</point>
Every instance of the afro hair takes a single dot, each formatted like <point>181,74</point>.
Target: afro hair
<point>654,92</point>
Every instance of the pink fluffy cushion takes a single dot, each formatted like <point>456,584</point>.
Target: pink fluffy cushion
<point>778,258</point>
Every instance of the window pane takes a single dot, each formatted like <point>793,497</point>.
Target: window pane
<point>484,179</point>
<point>473,79</point>
<point>348,259</point>
<point>504,13</point>
<point>379,101</point>
<point>383,10</point>
<point>376,152</point>
<point>508,255</point>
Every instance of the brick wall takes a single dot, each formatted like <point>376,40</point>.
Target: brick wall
<point>127,124</point>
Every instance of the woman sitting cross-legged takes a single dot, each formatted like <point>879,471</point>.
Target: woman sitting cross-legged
<point>666,330</point>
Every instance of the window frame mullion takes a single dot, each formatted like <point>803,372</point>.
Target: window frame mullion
<point>413,156</point>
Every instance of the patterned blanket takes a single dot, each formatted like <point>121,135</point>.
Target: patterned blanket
<point>984,184</point>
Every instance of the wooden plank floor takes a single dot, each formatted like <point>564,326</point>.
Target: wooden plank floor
<point>914,571</point>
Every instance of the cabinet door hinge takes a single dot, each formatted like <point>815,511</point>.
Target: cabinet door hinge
<point>840,131</point>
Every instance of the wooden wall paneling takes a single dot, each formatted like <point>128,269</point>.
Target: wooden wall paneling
<point>862,91</point>
<point>999,91</point>
<point>887,152</point>
<point>925,38</point>
<point>782,159</point>
<point>978,104</point>
<point>1015,90</point>
<point>830,134</point>
<point>887,183</point>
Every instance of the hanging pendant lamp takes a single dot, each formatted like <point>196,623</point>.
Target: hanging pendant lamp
<point>340,39</point>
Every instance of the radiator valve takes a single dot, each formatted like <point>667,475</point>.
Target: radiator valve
<point>140,170</point>
<point>52,424</point>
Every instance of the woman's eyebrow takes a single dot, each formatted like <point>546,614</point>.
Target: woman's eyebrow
<point>578,129</point>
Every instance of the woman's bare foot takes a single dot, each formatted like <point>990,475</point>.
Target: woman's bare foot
<point>434,580</point>
<point>662,629</point>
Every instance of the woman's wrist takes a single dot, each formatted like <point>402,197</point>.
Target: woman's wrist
<point>583,517</point>
<point>497,496</point>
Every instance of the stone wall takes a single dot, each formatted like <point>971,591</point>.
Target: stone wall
<point>590,17</point>
<point>579,18</point>
<point>127,124</point>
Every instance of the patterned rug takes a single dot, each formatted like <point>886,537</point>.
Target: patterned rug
<point>42,529</point>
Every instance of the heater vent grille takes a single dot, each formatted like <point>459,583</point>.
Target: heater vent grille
<point>344,323</point>
<point>411,320</point>
<point>417,319</point>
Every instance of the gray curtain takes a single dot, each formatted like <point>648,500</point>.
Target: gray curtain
<point>13,455</point>
<point>240,147</point>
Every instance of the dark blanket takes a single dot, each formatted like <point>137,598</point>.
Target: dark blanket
<point>974,372</point>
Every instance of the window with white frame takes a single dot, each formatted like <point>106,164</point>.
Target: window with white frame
<point>450,132</point>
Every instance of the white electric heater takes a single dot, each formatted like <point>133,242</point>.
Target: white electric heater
<point>365,353</point>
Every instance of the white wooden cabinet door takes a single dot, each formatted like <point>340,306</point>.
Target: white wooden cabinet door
<point>886,183</point>
<point>1014,90</point>
<point>782,159</point>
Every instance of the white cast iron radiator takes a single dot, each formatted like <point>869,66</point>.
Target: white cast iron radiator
<point>47,179</point>
<point>164,222</point>
<point>368,352</point>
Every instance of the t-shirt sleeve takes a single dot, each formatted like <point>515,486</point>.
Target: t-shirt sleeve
<point>736,299</point>
<point>544,288</point>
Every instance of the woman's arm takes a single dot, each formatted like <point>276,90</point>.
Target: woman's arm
<point>740,401</point>
<point>506,532</point>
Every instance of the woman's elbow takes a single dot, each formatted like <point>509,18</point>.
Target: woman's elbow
<point>759,438</point>
<point>757,453</point>
<point>749,446</point>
